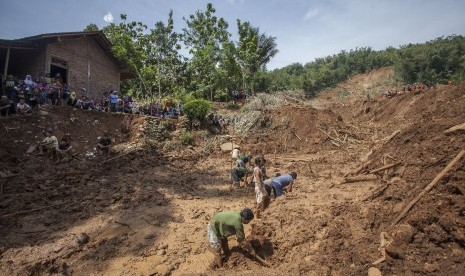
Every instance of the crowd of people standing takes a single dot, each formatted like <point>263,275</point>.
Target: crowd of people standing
<point>24,96</point>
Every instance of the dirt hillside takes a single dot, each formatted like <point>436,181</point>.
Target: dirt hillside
<point>145,212</point>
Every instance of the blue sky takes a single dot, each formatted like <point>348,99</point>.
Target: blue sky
<point>305,29</point>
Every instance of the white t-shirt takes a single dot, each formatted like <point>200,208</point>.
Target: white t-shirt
<point>236,153</point>
<point>23,107</point>
<point>52,140</point>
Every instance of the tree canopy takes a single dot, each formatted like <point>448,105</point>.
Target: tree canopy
<point>211,64</point>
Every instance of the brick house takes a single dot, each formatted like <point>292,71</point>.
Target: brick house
<point>84,60</point>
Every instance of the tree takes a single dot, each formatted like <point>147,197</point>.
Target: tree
<point>127,39</point>
<point>204,36</point>
<point>247,51</point>
<point>255,50</point>
<point>164,46</point>
<point>91,28</point>
<point>267,49</point>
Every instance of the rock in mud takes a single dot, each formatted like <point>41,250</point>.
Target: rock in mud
<point>82,239</point>
<point>373,271</point>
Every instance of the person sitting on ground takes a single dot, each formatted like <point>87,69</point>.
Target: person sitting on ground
<point>222,124</point>
<point>49,144</point>
<point>103,146</point>
<point>283,184</point>
<point>5,106</point>
<point>22,108</point>
<point>64,150</point>
<point>72,100</point>
<point>223,225</point>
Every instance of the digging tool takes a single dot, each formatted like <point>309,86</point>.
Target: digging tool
<point>258,258</point>
<point>262,261</point>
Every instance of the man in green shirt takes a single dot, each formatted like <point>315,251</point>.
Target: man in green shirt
<point>225,224</point>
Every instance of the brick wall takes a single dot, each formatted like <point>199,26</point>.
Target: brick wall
<point>79,53</point>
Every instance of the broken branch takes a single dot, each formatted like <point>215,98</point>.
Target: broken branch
<point>359,169</point>
<point>116,157</point>
<point>455,128</point>
<point>391,136</point>
<point>385,167</point>
<point>332,138</point>
<point>358,178</point>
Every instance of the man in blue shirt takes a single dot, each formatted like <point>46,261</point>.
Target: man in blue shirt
<point>113,101</point>
<point>283,182</point>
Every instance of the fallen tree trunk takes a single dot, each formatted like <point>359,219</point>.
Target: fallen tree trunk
<point>358,178</point>
<point>429,187</point>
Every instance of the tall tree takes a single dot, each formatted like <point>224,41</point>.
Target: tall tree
<point>204,36</point>
<point>164,52</point>
<point>127,39</point>
<point>255,50</point>
<point>247,51</point>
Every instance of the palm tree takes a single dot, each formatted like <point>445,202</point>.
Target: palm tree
<point>267,49</point>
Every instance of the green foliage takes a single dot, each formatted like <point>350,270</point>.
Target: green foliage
<point>186,138</point>
<point>436,61</point>
<point>205,36</point>
<point>197,109</point>
<point>91,28</point>
<point>217,65</point>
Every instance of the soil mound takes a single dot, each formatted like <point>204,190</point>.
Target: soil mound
<point>144,210</point>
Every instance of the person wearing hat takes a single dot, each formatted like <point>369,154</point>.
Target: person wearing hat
<point>283,183</point>
<point>223,225</point>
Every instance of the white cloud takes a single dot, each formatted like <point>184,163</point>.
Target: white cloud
<point>310,14</point>
<point>108,18</point>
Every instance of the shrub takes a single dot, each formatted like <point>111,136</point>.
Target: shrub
<point>197,109</point>
<point>186,138</point>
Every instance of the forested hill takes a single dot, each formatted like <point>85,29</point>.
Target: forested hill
<point>217,64</point>
<point>433,62</point>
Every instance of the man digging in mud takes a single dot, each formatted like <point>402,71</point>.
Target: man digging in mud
<point>223,225</point>
<point>240,171</point>
<point>283,184</point>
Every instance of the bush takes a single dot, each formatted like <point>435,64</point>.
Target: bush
<point>197,109</point>
<point>186,138</point>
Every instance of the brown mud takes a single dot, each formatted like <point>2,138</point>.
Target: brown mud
<point>145,213</point>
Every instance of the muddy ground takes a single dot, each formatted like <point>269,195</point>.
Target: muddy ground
<point>145,212</point>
